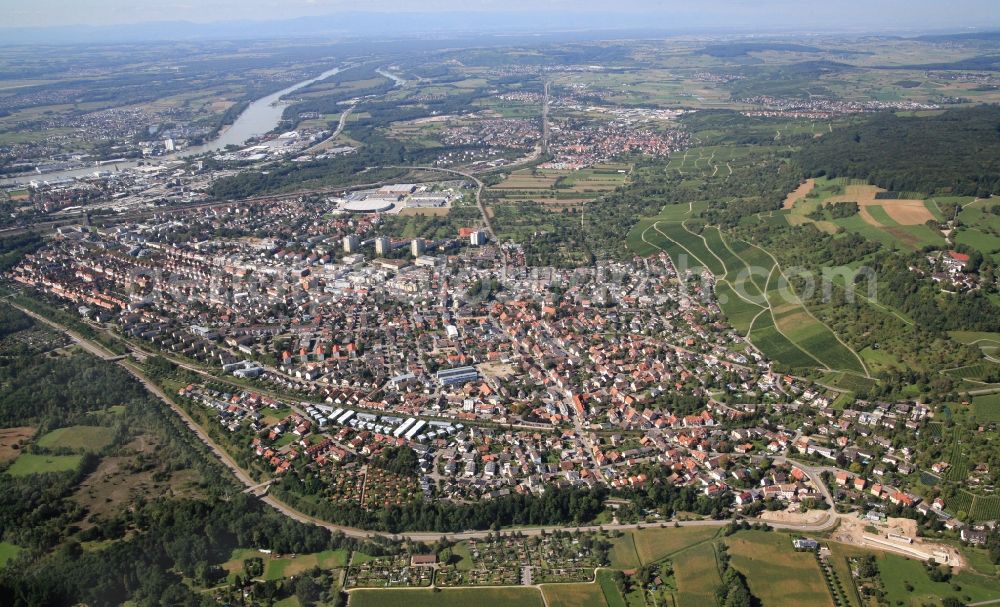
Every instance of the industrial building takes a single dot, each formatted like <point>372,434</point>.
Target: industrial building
<point>458,375</point>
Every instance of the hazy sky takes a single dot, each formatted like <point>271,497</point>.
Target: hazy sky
<point>855,14</point>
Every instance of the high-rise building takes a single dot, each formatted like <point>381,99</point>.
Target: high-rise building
<point>477,238</point>
<point>417,247</point>
<point>382,246</point>
<point>351,244</point>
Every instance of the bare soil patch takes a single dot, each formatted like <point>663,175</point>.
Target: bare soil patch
<point>852,531</point>
<point>799,193</point>
<point>12,439</point>
<point>911,213</point>
<point>434,211</point>
<point>497,370</point>
<point>793,516</point>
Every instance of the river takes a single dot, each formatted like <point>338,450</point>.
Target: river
<point>260,117</point>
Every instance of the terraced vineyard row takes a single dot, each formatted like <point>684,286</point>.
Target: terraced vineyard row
<point>755,296</point>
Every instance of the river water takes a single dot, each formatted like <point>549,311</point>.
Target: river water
<point>260,117</point>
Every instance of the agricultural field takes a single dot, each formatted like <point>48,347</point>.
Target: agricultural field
<point>697,576</point>
<point>848,381</point>
<point>574,595</point>
<point>447,597</point>
<point>985,508</point>
<point>613,597</point>
<point>778,575</point>
<point>78,438</point>
<point>557,189</point>
<point>11,441</point>
<point>654,544</point>
<point>896,221</point>
<point>30,463</point>
<point>623,554</point>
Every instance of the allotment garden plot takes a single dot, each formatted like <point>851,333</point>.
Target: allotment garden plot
<point>503,561</point>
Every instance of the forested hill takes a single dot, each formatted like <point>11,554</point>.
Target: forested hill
<point>957,151</point>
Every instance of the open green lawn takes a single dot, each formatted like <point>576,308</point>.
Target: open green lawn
<point>447,597</point>
<point>697,577</point>
<point>980,228</point>
<point>778,575</point>
<point>277,568</point>
<point>878,359</point>
<point>574,595</point>
<point>460,556</point>
<point>8,552</point>
<point>897,572</point>
<point>78,438</point>
<point>976,337</point>
<point>360,557</point>
<point>29,463</point>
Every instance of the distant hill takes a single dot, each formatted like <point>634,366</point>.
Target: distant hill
<point>985,36</point>
<point>742,49</point>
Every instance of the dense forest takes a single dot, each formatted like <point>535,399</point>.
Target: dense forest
<point>955,152</point>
